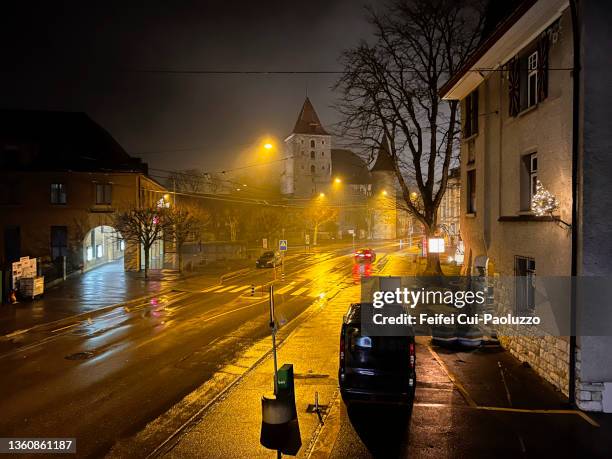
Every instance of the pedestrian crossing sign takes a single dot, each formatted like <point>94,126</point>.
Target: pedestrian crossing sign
<point>282,245</point>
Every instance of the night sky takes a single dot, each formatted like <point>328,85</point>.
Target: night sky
<point>89,56</point>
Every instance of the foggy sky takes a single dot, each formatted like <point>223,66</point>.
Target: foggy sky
<point>87,56</point>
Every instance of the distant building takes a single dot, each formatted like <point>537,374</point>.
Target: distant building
<point>449,212</point>
<point>61,178</point>
<point>384,196</point>
<point>307,170</point>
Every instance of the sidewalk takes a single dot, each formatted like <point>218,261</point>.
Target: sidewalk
<point>104,286</point>
<point>231,427</point>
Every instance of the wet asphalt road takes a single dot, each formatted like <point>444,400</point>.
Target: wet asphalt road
<point>104,380</point>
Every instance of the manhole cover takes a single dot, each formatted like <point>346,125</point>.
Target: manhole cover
<point>80,356</point>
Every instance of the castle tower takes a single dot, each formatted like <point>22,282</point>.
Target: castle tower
<point>384,190</point>
<point>308,170</point>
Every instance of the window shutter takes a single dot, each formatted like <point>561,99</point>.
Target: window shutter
<point>475,111</point>
<point>543,67</point>
<point>514,87</point>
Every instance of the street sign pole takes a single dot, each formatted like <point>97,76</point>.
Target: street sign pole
<point>273,328</point>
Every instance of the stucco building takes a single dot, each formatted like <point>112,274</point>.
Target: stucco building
<point>524,123</point>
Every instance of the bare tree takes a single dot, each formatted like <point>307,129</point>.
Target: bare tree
<point>390,95</point>
<point>317,215</point>
<point>184,225</point>
<point>143,226</point>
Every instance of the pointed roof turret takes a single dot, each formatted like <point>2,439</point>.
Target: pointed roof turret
<point>383,162</point>
<point>308,121</point>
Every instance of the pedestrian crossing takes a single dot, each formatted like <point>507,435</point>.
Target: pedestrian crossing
<point>293,289</point>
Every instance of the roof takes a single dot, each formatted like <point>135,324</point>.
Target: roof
<point>350,167</point>
<point>383,162</point>
<point>308,121</point>
<point>503,21</point>
<point>56,140</point>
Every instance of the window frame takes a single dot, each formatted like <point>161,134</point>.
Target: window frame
<point>524,288</point>
<point>58,194</point>
<point>107,194</point>
<point>471,191</point>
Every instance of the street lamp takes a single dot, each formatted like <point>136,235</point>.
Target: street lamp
<point>268,146</point>
<point>338,180</point>
<point>384,193</point>
<point>321,194</point>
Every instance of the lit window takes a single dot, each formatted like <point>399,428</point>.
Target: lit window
<point>89,253</point>
<point>99,252</point>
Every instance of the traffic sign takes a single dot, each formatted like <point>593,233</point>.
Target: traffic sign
<point>282,245</point>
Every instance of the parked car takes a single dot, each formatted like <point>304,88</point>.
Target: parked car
<point>365,256</point>
<point>269,260</point>
<point>375,368</point>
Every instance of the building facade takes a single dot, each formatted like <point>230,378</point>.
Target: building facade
<point>61,180</point>
<point>518,106</point>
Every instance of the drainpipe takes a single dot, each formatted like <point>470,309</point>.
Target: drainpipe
<point>575,227</point>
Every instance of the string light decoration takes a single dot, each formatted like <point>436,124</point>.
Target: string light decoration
<point>543,202</point>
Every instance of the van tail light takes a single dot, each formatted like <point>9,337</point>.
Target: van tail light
<point>412,356</point>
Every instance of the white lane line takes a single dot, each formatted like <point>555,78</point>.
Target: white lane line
<point>239,289</point>
<point>299,291</point>
<point>313,294</point>
<point>225,289</point>
<point>211,289</point>
<point>286,289</point>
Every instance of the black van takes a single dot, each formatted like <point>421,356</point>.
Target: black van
<point>375,368</point>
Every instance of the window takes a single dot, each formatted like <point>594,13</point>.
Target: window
<point>528,77</point>
<point>532,79</point>
<point>312,144</point>
<point>312,169</point>
<point>529,179</point>
<point>524,284</point>
<point>89,253</point>
<point>322,142</point>
<point>99,251</point>
<point>471,191</point>
<point>322,168</point>
<point>104,193</point>
<point>59,241</point>
<point>58,193</point>
<point>470,126</point>
<point>312,155</point>
<point>322,153</point>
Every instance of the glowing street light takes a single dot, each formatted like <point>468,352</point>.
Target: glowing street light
<point>338,180</point>
<point>268,146</point>
<point>321,195</point>
<point>384,193</point>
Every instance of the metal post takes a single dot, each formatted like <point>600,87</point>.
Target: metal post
<point>64,266</point>
<point>273,328</point>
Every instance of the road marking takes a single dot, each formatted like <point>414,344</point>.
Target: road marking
<point>286,289</point>
<point>239,289</point>
<point>453,378</point>
<point>501,370</point>
<point>210,289</point>
<point>225,289</point>
<point>579,413</point>
<point>299,291</point>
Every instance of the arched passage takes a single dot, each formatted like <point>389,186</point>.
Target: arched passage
<point>102,244</point>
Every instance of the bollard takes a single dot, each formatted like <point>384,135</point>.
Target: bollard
<point>252,290</point>
<point>279,421</point>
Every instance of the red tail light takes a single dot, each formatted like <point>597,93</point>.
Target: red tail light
<point>412,356</point>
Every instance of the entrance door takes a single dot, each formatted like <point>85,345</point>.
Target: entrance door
<point>12,243</point>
